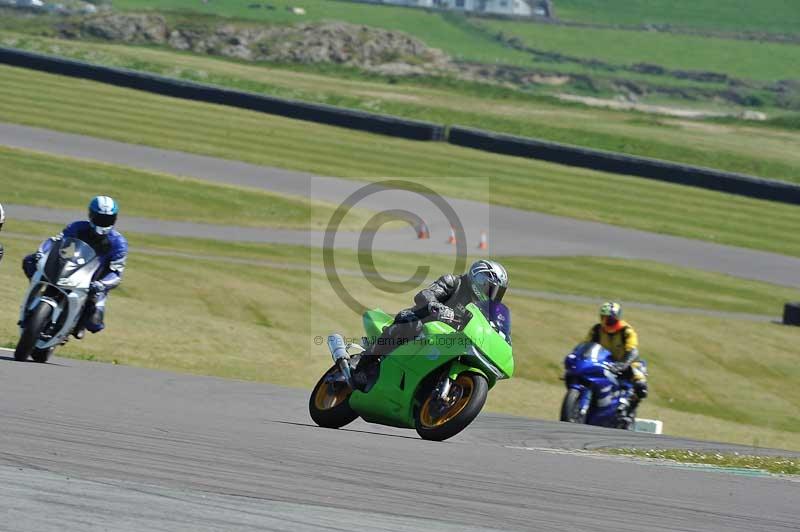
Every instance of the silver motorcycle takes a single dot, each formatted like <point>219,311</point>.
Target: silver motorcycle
<point>55,300</point>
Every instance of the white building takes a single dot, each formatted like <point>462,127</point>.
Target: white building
<point>508,7</point>
<point>409,3</point>
<point>30,3</point>
<point>521,8</point>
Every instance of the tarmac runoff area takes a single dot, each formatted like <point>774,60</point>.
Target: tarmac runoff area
<point>510,231</point>
<point>88,446</point>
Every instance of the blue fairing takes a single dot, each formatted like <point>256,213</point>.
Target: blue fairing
<point>601,390</point>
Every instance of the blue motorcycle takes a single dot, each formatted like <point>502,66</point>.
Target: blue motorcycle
<point>595,394</point>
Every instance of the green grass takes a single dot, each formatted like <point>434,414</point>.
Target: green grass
<point>467,38</point>
<point>443,30</point>
<point>257,309</point>
<point>627,280</point>
<point>744,148</point>
<point>771,16</point>
<point>130,116</point>
<point>779,465</point>
<point>740,59</point>
<point>30,178</point>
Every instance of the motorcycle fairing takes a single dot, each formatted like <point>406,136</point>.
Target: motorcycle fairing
<point>601,390</point>
<point>391,400</point>
<point>68,267</point>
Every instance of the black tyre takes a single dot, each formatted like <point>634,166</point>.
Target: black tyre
<point>34,325</point>
<point>571,408</point>
<point>438,420</point>
<point>329,404</point>
<point>42,355</point>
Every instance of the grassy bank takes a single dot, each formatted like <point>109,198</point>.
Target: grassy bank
<point>130,116</point>
<point>773,16</point>
<point>737,58</point>
<point>739,147</point>
<point>257,310</point>
<point>435,29</point>
<point>591,56</point>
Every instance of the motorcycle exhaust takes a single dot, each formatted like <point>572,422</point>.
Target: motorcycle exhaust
<point>341,357</point>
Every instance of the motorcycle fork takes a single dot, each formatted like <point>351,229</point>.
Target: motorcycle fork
<point>586,401</point>
<point>442,390</point>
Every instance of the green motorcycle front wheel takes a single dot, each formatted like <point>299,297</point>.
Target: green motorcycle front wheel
<point>329,404</point>
<point>438,419</point>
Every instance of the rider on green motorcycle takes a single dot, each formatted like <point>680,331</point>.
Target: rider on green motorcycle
<point>486,280</point>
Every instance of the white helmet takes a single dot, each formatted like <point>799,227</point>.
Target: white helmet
<point>2,216</point>
<point>489,280</point>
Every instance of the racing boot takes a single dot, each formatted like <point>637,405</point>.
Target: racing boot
<point>625,413</point>
<point>80,329</point>
<point>366,370</point>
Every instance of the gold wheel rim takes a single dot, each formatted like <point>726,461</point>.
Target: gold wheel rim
<point>329,395</point>
<point>429,420</point>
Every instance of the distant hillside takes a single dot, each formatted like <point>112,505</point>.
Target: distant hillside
<point>725,69</point>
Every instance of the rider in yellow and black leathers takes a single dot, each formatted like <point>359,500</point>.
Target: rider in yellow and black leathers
<point>621,340</point>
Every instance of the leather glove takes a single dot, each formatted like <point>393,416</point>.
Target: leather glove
<point>441,312</point>
<point>406,316</point>
<point>97,287</point>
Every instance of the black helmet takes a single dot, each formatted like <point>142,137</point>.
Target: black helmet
<point>489,280</point>
<point>103,212</point>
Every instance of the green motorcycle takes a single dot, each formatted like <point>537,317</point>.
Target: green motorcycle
<point>436,384</point>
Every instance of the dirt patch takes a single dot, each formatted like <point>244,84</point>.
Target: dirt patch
<point>390,96</point>
<point>656,109</point>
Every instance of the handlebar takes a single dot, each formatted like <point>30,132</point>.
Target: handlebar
<point>460,322</point>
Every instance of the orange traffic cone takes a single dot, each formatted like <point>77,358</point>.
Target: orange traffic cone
<point>452,238</point>
<point>422,231</point>
<point>484,243</point>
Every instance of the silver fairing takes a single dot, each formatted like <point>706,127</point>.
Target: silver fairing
<point>71,275</point>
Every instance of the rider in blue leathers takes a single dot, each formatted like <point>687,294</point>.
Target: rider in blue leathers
<point>111,248</point>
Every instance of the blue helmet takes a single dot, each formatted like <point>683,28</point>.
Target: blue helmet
<point>103,212</point>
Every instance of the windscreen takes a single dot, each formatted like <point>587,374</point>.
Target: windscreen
<point>73,255</point>
<point>589,351</point>
<point>499,316</point>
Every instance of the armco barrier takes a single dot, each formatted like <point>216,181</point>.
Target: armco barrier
<point>618,163</point>
<point>324,114</point>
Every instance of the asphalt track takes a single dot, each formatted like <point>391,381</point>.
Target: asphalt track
<point>88,446</point>
<point>510,231</point>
